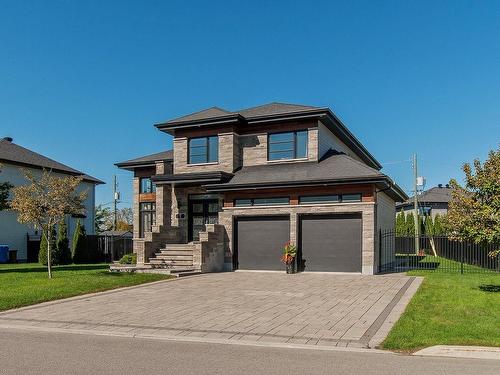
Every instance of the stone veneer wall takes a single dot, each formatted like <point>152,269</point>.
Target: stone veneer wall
<point>254,148</point>
<point>226,162</point>
<point>226,218</point>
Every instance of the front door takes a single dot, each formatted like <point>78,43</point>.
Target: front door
<point>201,212</point>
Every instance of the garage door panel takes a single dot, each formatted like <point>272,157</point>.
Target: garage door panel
<point>331,243</point>
<point>260,242</point>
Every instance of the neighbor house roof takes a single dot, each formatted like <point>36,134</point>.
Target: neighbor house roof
<point>146,161</point>
<point>15,154</point>
<point>271,112</point>
<point>437,194</point>
<point>334,168</point>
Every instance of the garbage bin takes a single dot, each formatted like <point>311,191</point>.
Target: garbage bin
<point>4,253</point>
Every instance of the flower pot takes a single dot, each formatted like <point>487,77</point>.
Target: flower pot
<point>290,267</point>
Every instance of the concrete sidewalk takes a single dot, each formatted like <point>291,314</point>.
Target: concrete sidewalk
<point>455,351</point>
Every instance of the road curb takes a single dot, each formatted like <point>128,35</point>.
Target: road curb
<point>456,351</point>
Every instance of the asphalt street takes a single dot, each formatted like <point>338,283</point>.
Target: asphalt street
<point>33,352</point>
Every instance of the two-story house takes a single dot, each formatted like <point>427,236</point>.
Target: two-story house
<point>239,185</point>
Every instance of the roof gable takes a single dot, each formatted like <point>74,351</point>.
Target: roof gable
<point>13,153</point>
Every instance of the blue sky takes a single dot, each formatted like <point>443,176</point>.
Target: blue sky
<point>84,82</point>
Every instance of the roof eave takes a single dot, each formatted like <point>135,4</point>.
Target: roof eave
<point>283,184</point>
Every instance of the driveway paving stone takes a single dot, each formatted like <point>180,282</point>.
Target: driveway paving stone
<point>317,309</point>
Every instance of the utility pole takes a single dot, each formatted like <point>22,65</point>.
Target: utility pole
<point>415,203</point>
<point>115,202</point>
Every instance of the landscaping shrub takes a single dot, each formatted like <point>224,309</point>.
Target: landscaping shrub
<point>79,250</point>
<point>128,259</point>
<point>62,245</point>
<point>42,254</point>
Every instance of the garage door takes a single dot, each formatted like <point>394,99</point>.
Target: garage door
<point>260,242</point>
<point>331,243</point>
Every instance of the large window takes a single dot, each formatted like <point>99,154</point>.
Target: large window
<point>203,150</point>
<point>261,202</point>
<point>290,145</point>
<point>317,199</point>
<point>147,212</point>
<point>147,186</point>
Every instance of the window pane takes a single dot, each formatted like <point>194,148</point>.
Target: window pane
<point>280,155</point>
<point>196,159</point>
<point>285,146</point>
<point>351,198</point>
<point>270,201</point>
<point>213,149</point>
<point>213,207</point>
<point>242,202</point>
<point>319,199</point>
<point>145,185</point>
<point>197,142</point>
<point>197,207</point>
<point>281,137</point>
<point>301,144</point>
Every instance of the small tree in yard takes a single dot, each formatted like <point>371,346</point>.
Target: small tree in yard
<point>63,250</point>
<point>474,210</point>
<point>46,201</point>
<point>42,253</point>
<point>79,250</point>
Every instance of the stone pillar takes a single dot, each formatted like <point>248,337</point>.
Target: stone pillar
<point>135,206</point>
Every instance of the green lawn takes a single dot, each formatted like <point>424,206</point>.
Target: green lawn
<point>449,308</point>
<point>27,284</point>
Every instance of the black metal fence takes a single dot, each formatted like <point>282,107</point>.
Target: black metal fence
<point>107,248</point>
<point>436,253</point>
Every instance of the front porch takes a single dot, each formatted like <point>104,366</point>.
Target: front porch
<point>182,233</point>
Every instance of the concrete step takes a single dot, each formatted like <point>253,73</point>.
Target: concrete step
<point>173,257</point>
<point>175,252</point>
<point>168,262</point>
<point>181,246</point>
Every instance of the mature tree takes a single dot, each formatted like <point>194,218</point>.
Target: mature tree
<point>474,210</point>
<point>62,245</point>
<point>4,194</point>
<point>103,219</point>
<point>46,201</point>
<point>79,250</point>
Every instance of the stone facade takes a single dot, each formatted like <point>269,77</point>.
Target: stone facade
<point>228,156</point>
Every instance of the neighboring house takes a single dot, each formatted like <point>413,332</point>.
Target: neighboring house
<point>14,160</point>
<point>239,185</point>
<point>430,202</point>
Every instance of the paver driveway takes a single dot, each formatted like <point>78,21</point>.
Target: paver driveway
<point>323,309</point>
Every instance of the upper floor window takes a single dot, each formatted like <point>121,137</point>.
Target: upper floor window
<point>147,186</point>
<point>203,150</point>
<point>289,145</point>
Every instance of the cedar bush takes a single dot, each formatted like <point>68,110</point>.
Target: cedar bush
<point>62,245</point>
<point>42,254</point>
<point>79,249</point>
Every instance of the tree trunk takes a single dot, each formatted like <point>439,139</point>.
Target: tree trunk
<point>433,245</point>
<point>49,256</point>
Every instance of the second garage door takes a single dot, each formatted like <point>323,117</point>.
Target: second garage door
<point>331,243</point>
<point>259,242</point>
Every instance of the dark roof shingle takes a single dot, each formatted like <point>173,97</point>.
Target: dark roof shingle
<point>13,153</point>
<point>147,160</point>
<point>262,110</point>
